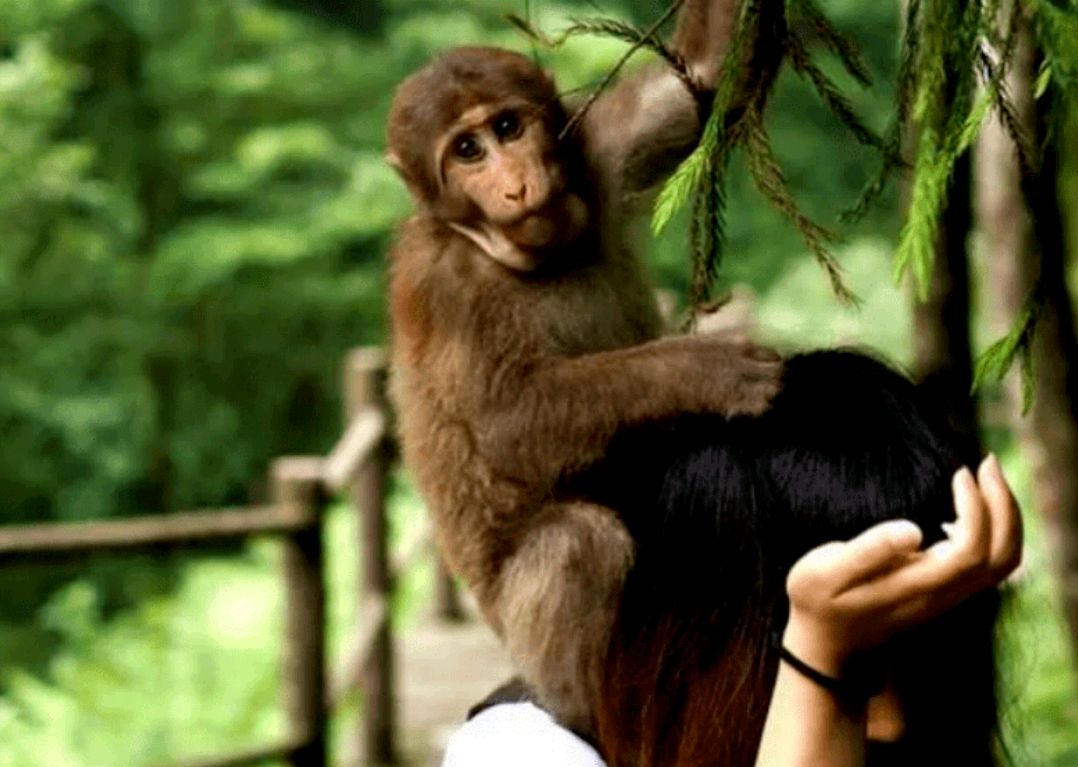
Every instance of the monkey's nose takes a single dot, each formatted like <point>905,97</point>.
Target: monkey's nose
<point>518,195</point>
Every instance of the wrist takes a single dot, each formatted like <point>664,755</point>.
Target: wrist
<point>828,661</point>
<point>812,644</point>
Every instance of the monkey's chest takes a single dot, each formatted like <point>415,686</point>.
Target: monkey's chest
<point>595,313</point>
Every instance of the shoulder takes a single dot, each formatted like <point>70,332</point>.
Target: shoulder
<point>519,734</point>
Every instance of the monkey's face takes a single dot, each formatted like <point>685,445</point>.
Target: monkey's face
<point>501,161</point>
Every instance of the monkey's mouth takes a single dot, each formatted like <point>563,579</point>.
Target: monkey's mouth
<point>556,223</point>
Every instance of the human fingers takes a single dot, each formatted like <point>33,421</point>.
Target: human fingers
<point>968,540</point>
<point>950,570</point>
<point>920,586</point>
<point>1005,549</point>
<point>959,567</point>
<point>876,550</point>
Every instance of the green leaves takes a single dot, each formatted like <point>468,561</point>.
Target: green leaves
<point>772,184</point>
<point>203,207</point>
<point>917,243</point>
<point>761,41</point>
<point>679,189</point>
<point>995,361</point>
<point>1056,23</point>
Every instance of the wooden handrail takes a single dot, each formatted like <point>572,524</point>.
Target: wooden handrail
<point>184,529</point>
<point>253,756</point>
<point>418,543</point>
<point>357,465</point>
<point>346,680</point>
<point>365,432</point>
<point>373,615</point>
<point>297,482</point>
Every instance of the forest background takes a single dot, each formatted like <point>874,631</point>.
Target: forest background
<point>194,216</point>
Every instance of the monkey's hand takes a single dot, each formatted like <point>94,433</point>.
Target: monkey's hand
<point>846,597</point>
<point>571,407</point>
<point>738,378</point>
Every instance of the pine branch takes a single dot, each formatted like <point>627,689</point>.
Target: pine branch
<point>645,36</point>
<point>708,237</point>
<point>910,52</point>
<point>906,85</point>
<point>771,182</point>
<point>679,189</point>
<point>996,361</point>
<point>629,33</point>
<point>832,97</point>
<point>717,138</point>
<point>931,75</point>
<point>1056,22</point>
<point>916,250</point>
<point>712,201</point>
<point>836,42</point>
<point>963,139</point>
<point>1007,112</point>
<point>638,37</point>
<point>961,52</point>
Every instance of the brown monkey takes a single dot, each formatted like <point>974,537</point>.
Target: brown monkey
<point>525,334</point>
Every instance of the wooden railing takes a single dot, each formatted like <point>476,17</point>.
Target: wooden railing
<point>358,465</point>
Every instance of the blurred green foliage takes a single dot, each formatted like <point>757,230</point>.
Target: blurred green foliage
<point>194,215</point>
<point>195,212</point>
<point>192,674</point>
<point>197,673</point>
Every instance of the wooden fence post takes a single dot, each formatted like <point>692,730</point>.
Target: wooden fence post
<point>364,386</point>
<point>447,596</point>
<point>297,482</point>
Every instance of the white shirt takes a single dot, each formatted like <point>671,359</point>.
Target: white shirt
<point>517,734</point>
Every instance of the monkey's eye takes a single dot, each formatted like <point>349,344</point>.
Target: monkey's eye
<point>467,148</point>
<point>507,126</point>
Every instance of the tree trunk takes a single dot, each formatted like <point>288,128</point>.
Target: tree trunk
<point>943,359</point>
<point>1004,226</point>
<point>943,355</point>
<point>1055,412</point>
<point>1019,247</point>
<point>363,16</point>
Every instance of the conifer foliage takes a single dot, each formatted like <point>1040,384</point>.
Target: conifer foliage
<point>953,60</point>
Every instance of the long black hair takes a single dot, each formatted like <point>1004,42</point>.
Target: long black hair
<point>720,510</point>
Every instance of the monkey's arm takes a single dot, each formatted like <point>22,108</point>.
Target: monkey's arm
<point>638,132</point>
<point>560,414</point>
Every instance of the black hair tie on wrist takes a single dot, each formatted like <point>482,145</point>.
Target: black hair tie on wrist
<point>862,678</point>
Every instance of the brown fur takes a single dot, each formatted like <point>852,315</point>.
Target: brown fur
<point>509,380</point>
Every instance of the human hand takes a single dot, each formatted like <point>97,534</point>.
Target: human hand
<point>854,595</point>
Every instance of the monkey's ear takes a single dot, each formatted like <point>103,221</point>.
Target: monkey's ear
<point>395,162</point>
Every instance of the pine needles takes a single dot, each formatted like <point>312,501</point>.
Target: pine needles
<point>1056,24</point>
<point>955,60</point>
<point>762,40</point>
<point>940,111</point>
<point>994,363</point>
<point>952,69</point>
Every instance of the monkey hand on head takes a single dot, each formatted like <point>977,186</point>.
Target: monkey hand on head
<point>525,335</point>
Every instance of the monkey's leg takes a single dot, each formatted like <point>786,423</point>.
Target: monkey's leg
<point>557,597</point>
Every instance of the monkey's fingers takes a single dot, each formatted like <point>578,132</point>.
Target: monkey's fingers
<point>755,379</point>
<point>764,354</point>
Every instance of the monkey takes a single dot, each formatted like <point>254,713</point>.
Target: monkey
<point>525,334</point>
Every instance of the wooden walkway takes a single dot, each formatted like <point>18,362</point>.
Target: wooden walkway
<point>444,669</point>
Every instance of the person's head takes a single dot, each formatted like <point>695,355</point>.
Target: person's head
<point>693,656</point>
